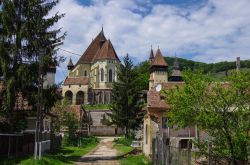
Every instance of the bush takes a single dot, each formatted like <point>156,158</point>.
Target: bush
<point>89,140</point>
<point>124,141</point>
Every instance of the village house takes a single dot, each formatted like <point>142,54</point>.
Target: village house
<point>23,142</point>
<point>155,119</point>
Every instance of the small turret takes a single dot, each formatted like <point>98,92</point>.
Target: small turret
<point>151,57</point>
<point>176,73</point>
<point>70,64</point>
<point>238,63</point>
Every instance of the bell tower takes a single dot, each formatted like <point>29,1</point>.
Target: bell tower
<point>158,70</point>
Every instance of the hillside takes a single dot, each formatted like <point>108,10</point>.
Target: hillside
<point>217,70</point>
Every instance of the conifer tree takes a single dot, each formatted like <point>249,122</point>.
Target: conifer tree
<point>26,35</point>
<point>125,104</point>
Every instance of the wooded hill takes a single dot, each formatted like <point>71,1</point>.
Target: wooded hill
<point>217,70</point>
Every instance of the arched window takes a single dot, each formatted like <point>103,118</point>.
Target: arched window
<point>102,74</point>
<point>68,96</point>
<point>85,73</point>
<point>79,98</point>
<point>110,75</point>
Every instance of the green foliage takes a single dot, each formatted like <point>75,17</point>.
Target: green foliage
<point>123,140</point>
<point>89,140</point>
<point>142,71</point>
<point>71,123</point>
<point>96,107</point>
<point>219,109</point>
<point>125,107</point>
<point>66,155</point>
<point>26,33</point>
<point>135,160</point>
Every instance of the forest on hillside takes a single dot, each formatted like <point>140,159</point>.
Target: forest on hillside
<point>217,70</point>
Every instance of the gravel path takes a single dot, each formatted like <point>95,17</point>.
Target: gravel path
<point>104,154</point>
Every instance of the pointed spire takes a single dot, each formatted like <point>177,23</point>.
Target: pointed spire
<point>102,37</point>
<point>159,59</point>
<point>70,64</point>
<point>151,57</point>
<point>176,64</point>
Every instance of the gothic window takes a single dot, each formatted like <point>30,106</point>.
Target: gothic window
<point>110,75</point>
<point>102,74</point>
<point>85,73</point>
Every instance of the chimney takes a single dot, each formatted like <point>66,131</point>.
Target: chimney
<point>238,63</point>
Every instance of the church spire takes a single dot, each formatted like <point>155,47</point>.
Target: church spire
<point>151,57</point>
<point>70,64</point>
<point>102,37</point>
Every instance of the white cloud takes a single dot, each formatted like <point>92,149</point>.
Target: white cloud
<point>216,31</point>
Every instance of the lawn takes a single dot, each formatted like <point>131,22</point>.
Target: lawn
<point>66,155</point>
<point>128,157</point>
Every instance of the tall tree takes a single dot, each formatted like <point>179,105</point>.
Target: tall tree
<point>125,104</point>
<point>27,40</point>
<point>221,109</point>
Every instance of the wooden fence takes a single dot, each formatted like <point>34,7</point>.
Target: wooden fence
<point>164,154</point>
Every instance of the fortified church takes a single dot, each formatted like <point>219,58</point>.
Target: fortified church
<point>89,81</point>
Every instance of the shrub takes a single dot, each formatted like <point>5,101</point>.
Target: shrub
<point>124,141</point>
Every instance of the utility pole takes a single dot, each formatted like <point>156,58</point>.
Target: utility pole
<point>39,118</point>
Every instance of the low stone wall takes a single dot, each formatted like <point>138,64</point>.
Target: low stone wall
<point>105,130</point>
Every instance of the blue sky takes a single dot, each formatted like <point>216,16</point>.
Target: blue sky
<point>201,30</point>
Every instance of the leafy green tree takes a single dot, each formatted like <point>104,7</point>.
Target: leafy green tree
<point>65,120</point>
<point>125,107</point>
<point>221,109</point>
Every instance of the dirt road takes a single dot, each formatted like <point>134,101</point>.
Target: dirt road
<point>103,154</point>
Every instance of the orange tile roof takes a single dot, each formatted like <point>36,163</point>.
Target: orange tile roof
<point>159,59</point>
<point>76,81</point>
<point>106,52</point>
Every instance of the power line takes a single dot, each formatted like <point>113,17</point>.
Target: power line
<point>70,52</point>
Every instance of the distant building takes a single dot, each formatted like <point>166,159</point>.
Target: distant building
<point>90,80</point>
<point>156,109</point>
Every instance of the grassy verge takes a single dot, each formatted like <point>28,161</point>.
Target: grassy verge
<point>66,155</point>
<point>130,157</point>
<point>97,107</point>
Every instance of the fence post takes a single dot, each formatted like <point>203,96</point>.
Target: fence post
<point>209,153</point>
<point>189,153</point>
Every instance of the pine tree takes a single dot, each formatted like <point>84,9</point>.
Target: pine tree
<point>27,39</point>
<point>125,104</point>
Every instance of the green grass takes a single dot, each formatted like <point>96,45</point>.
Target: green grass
<point>66,155</point>
<point>135,160</point>
<point>97,107</point>
<point>123,147</point>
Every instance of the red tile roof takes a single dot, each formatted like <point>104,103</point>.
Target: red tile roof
<point>90,52</point>
<point>154,98</point>
<point>159,59</point>
<point>76,81</point>
<point>106,52</point>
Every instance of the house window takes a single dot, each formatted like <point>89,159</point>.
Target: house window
<point>102,74</point>
<point>110,75</point>
<point>85,73</point>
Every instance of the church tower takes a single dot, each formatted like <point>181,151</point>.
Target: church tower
<point>158,70</point>
<point>176,73</point>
